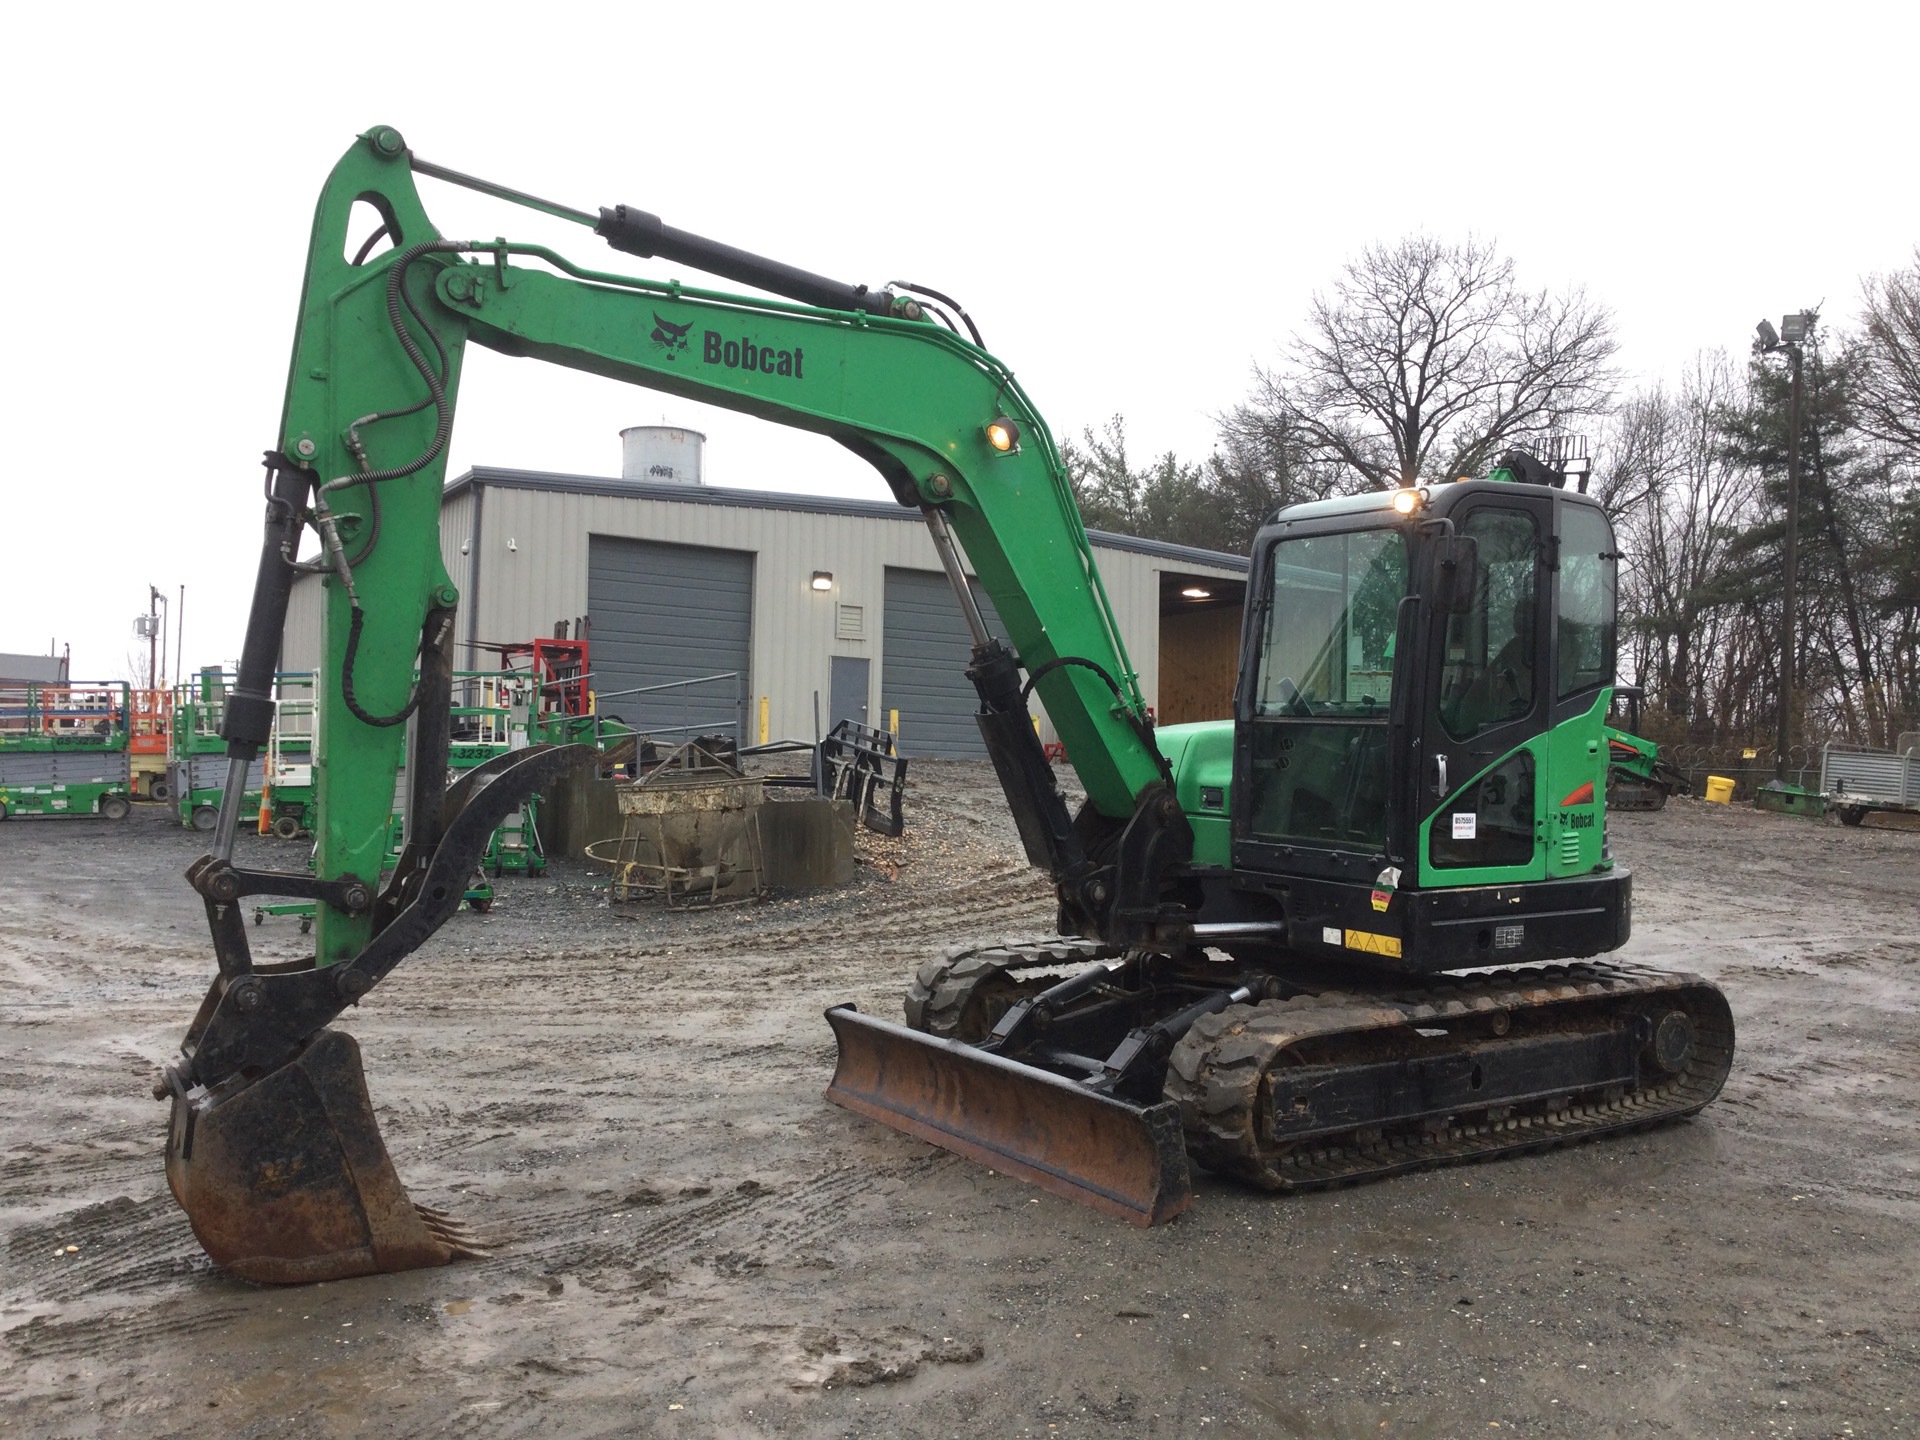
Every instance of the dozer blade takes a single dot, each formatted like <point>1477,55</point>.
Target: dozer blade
<point>1122,1159</point>
<point>287,1180</point>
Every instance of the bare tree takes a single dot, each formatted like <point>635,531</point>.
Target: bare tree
<point>1639,440</point>
<point>1427,359</point>
<point>1887,356</point>
<point>1688,500</point>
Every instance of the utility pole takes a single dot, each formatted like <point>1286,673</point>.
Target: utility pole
<point>153,627</point>
<point>1790,569</point>
<point>153,638</point>
<point>1795,330</point>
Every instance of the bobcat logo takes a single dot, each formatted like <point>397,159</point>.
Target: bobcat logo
<point>669,336</point>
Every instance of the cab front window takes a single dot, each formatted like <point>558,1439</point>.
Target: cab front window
<point>1318,762</point>
<point>1328,648</point>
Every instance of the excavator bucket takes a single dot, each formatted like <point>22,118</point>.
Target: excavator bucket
<point>1125,1160</point>
<point>287,1180</point>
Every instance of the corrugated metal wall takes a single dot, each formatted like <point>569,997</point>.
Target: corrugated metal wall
<point>543,578</point>
<point>527,564</point>
<point>300,641</point>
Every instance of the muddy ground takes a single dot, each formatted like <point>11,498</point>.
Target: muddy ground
<point>691,1243</point>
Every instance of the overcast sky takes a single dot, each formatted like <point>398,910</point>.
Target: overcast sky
<point>1136,203</point>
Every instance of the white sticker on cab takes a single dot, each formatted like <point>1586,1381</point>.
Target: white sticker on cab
<point>1465,827</point>
<point>1330,935</point>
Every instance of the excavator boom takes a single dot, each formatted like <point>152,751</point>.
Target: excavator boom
<point>273,1150</point>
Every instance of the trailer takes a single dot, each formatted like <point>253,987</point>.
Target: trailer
<point>63,750</point>
<point>1857,781</point>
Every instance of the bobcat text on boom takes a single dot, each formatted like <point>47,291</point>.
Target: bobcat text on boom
<point>745,355</point>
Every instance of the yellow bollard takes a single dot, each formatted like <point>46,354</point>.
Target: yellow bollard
<point>893,723</point>
<point>765,732</point>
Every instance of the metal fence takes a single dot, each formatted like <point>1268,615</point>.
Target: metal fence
<point>1748,767</point>
<point>721,697</point>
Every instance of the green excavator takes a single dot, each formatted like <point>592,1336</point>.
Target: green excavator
<point>1347,932</point>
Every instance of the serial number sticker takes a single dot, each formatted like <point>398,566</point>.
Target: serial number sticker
<point>1508,937</point>
<point>1373,944</point>
<point>1466,827</point>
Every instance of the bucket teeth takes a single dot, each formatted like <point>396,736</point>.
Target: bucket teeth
<point>455,1234</point>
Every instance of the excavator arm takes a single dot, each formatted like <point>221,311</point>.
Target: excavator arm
<point>273,1151</point>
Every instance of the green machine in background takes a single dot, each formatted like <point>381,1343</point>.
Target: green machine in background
<point>287,797</point>
<point>199,767</point>
<point>64,750</point>
<point>1637,778</point>
<point>493,715</point>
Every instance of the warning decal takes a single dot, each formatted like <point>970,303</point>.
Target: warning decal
<point>1373,944</point>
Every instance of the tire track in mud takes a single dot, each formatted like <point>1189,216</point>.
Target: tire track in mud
<point>799,1215</point>
<point>125,1246</point>
<point>46,1338</point>
<point>914,914</point>
<point>32,1170</point>
<point>896,925</point>
<point>528,1413</point>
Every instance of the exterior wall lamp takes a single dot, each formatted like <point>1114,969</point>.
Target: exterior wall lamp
<point>823,579</point>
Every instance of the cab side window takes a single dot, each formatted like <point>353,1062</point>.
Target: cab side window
<point>1587,566</point>
<point>1487,674</point>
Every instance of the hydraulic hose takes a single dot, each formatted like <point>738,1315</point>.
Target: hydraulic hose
<point>397,299</point>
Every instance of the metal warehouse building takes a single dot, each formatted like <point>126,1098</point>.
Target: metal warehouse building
<point>711,608</point>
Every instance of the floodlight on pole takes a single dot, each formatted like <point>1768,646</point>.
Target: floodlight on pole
<point>1795,330</point>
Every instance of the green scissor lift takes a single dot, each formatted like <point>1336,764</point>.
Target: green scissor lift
<point>63,750</point>
<point>288,797</point>
<point>493,713</point>
<point>284,775</point>
<point>200,755</point>
<point>491,716</point>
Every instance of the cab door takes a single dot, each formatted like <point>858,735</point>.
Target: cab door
<point>1486,704</point>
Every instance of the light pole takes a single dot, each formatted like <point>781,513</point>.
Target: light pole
<point>152,627</point>
<point>1795,330</point>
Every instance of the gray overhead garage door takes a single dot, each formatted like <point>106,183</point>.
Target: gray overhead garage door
<point>923,670</point>
<point>662,613</point>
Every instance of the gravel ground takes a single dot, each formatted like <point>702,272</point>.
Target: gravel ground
<point>690,1242</point>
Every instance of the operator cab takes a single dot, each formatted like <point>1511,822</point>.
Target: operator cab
<point>1420,760</point>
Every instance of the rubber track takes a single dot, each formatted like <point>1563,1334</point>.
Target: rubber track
<point>1217,1069</point>
<point>938,994</point>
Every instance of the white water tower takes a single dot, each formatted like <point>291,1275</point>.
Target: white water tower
<point>661,454</point>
